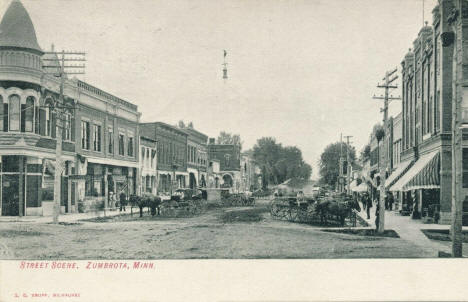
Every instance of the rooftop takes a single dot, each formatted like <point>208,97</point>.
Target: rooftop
<point>17,29</point>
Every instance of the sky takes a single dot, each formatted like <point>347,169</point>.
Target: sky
<point>302,71</point>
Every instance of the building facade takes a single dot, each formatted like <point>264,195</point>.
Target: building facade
<point>229,158</point>
<point>424,173</point>
<point>197,158</point>
<point>171,155</point>
<point>148,166</point>
<point>92,120</point>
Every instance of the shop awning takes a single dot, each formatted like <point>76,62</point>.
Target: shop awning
<point>424,174</point>
<point>401,169</point>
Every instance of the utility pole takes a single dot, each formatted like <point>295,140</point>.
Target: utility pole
<point>451,36</point>
<point>348,167</point>
<point>59,58</point>
<point>225,76</point>
<point>388,80</point>
<point>340,173</point>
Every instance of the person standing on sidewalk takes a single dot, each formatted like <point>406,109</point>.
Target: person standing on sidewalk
<point>377,212</point>
<point>368,203</point>
<point>123,201</point>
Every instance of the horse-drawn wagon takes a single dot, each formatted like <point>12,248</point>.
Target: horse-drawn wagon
<point>336,209</point>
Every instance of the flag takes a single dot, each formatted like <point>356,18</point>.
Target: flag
<point>225,53</point>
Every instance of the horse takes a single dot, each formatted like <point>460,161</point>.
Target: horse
<point>339,209</point>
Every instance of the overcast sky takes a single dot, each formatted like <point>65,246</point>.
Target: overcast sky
<point>301,71</point>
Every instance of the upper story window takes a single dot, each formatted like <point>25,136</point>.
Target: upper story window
<point>19,114</point>
<point>110,145</point>
<point>121,144</point>
<point>14,112</point>
<point>48,118</point>
<point>27,119</point>
<point>67,126</point>
<point>85,135</point>
<point>97,138</point>
<point>130,146</point>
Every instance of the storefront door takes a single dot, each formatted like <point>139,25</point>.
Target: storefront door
<point>10,195</point>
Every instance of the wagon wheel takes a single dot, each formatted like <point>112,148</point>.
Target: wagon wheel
<point>275,211</point>
<point>278,211</point>
<point>170,212</point>
<point>292,213</point>
<point>303,215</point>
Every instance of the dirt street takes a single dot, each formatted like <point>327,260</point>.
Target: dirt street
<point>218,233</point>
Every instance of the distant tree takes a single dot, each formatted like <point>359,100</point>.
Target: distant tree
<point>225,138</point>
<point>190,125</point>
<point>330,159</point>
<point>365,153</point>
<point>280,163</point>
<point>181,124</point>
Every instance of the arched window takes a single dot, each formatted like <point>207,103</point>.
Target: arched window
<point>29,115</point>
<point>67,125</point>
<point>48,117</point>
<point>14,114</point>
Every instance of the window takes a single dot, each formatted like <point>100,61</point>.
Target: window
<point>48,117</point>
<point>97,138</point>
<point>2,115</point>
<point>121,144</point>
<point>85,131</point>
<point>67,124</point>
<point>14,113</point>
<point>29,115</point>
<point>465,167</point>
<point>111,141</point>
<point>130,146</point>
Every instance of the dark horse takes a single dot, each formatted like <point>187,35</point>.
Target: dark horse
<point>339,210</point>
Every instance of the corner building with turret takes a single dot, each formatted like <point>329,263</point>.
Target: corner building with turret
<point>100,131</point>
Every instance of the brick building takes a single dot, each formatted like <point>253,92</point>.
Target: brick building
<point>171,155</point>
<point>197,157</point>
<point>425,160</point>
<point>93,163</point>
<point>229,157</point>
<point>148,165</point>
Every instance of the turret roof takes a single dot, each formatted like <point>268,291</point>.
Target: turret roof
<point>17,29</point>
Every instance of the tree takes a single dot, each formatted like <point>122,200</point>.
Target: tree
<point>280,163</point>
<point>330,162</point>
<point>225,138</point>
<point>181,124</point>
<point>365,153</point>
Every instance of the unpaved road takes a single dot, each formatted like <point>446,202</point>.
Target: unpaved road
<point>204,236</point>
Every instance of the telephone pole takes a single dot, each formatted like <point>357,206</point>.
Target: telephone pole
<point>58,68</point>
<point>388,80</point>
<point>340,172</point>
<point>348,167</point>
<point>454,35</point>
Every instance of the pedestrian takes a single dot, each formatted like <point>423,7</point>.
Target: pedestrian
<point>368,205</point>
<point>377,214</point>
<point>362,198</point>
<point>123,201</point>
<point>391,200</point>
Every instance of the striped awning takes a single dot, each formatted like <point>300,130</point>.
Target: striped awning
<point>401,169</point>
<point>424,174</point>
